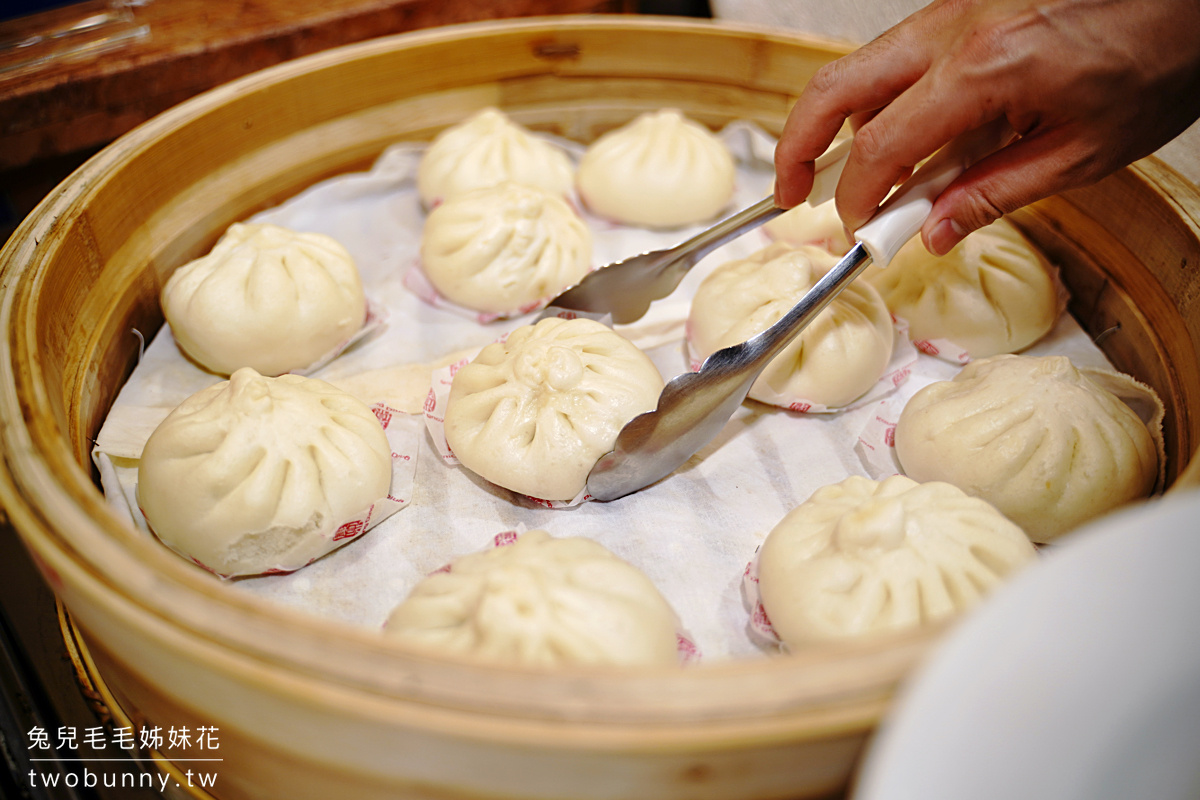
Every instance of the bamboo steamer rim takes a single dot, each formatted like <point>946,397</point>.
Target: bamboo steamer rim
<point>81,544</point>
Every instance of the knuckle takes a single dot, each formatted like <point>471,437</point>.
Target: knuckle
<point>871,143</point>
<point>1086,161</point>
<point>825,81</point>
<point>978,209</point>
<point>985,42</point>
<point>1000,51</point>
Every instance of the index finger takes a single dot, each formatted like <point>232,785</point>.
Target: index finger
<point>863,81</point>
<point>947,101</point>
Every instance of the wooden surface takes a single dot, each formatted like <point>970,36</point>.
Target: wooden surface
<point>194,45</point>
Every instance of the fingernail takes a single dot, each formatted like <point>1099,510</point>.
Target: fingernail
<point>944,236</point>
<point>851,225</point>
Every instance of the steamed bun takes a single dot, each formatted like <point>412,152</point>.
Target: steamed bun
<point>540,601</point>
<point>534,412</point>
<point>1034,436</point>
<point>504,248</point>
<point>487,149</point>
<point>863,556</point>
<point>993,293</point>
<point>818,225</point>
<point>265,297</point>
<point>257,474</point>
<point>833,361</point>
<point>662,170</point>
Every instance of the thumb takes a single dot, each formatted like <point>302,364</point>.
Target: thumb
<point>1025,171</point>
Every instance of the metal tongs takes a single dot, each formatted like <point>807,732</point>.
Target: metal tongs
<point>695,406</point>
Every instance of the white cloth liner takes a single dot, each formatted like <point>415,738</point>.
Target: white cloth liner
<point>692,533</point>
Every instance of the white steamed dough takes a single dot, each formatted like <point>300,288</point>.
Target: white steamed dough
<point>992,294</point>
<point>662,170</point>
<point>540,601</point>
<point>833,361</point>
<point>504,248</point>
<point>256,473</point>
<point>486,149</point>
<point>818,225</point>
<point>534,412</point>
<point>863,556</point>
<point>265,297</point>
<point>1034,436</point>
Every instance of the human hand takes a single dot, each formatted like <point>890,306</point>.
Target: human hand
<point>1091,85</point>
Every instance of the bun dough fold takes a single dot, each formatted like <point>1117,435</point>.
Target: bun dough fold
<point>1034,436</point>
<point>534,412</point>
<point>540,601</point>
<point>267,298</point>
<point>256,474</point>
<point>819,226</point>
<point>488,149</point>
<point>504,248</point>
<point>833,361</point>
<point>662,170</point>
<point>993,293</point>
<point>864,556</point>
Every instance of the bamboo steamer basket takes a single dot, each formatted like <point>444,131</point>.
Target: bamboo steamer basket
<point>308,709</point>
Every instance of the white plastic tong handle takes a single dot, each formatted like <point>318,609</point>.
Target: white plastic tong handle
<point>904,212</point>
<point>901,216</point>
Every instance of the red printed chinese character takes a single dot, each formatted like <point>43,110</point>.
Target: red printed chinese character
<point>383,414</point>
<point>349,530</point>
<point>927,347</point>
<point>505,538</point>
<point>761,619</point>
<point>687,648</point>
